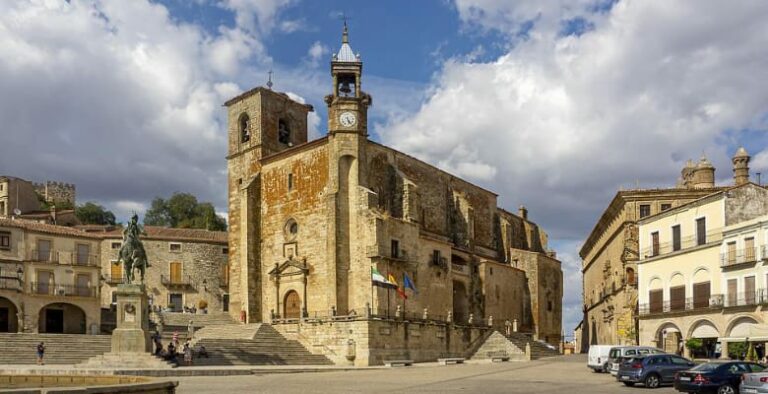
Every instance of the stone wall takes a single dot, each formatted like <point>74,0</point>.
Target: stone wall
<point>200,262</point>
<point>371,342</point>
<point>57,192</point>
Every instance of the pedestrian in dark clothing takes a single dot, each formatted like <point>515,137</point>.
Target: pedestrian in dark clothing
<point>40,353</point>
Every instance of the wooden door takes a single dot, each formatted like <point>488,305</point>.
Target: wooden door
<point>656,299</point>
<point>731,252</point>
<point>292,305</point>
<point>116,271</point>
<point>655,244</point>
<point>749,249</point>
<point>732,288</point>
<point>43,250</point>
<point>677,298</point>
<point>175,272</point>
<point>83,287</point>
<point>749,290</point>
<point>701,293</point>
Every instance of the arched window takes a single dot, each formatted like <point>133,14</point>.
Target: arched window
<point>245,128</point>
<point>283,132</point>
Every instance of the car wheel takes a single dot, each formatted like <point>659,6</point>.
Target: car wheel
<point>606,368</point>
<point>629,384</point>
<point>652,381</point>
<point>726,389</point>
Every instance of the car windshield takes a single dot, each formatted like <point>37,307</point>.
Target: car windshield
<point>615,353</point>
<point>706,367</point>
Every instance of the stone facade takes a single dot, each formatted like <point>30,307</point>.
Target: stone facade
<point>611,252</point>
<point>16,193</point>
<point>309,220</point>
<point>200,272</point>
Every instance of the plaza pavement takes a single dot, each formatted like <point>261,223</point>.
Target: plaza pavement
<point>561,375</point>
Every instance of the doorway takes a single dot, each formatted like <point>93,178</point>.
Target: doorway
<point>5,323</point>
<point>460,302</point>
<point>175,302</point>
<point>225,302</point>
<point>292,305</point>
<point>54,321</point>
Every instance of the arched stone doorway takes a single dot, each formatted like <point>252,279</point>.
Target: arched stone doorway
<point>460,302</point>
<point>8,318</point>
<point>292,305</point>
<point>708,333</point>
<point>669,338</point>
<point>61,318</point>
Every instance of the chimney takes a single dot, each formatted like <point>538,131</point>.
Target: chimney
<point>523,212</point>
<point>740,167</point>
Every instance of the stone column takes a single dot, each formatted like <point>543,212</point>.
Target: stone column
<point>723,349</point>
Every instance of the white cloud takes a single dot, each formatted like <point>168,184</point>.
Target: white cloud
<point>316,53</point>
<point>560,122</point>
<point>256,15</point>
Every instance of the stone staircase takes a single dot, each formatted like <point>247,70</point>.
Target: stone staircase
<point>59,348</point>
<point>252,344</point>
<point>178,322</point>
<point>513,346</point>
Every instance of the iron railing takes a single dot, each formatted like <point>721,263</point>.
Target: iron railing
<point>114,280</point>
<point>62,290</point>
<point>11,283</point>
<point>84,259</point>
<point>175,281</point>
<point>687,242</point>
<point>682,305</point>
<point>750,298</point>
<point>740,256</point>
<point>42,255</point>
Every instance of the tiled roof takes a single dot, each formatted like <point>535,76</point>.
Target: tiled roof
<point>46,228</point>
<point>106,232</point>
<point>346,54</point>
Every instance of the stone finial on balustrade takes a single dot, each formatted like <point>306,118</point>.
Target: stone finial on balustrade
<point>490,321</point>
<point>514,325</point>
<point>425,315</point>
<point>449,316</point>
<point>367,309</point>
<point>508,327</point>
<point>471,318</point>
<point>398,312</point>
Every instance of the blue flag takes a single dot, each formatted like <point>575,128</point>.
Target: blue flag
<point>408,283</point>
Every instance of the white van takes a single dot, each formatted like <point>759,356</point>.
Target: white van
<point>598,357</point>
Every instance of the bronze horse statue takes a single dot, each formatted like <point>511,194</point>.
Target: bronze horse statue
<point>132,253</point>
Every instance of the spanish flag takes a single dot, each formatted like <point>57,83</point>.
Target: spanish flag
<point>400,292</point>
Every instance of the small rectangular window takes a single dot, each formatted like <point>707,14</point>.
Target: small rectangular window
<point>116,245</point>
<point>676,244</point>
<point>749,249</point>
<point>395,249</point>
<point>174,247</point>
<point>701,231</point>
<point>5,240</point>
<point>645,210</point>
<point>655,243</point>
<point>290,182</point>
<point>225,251</point>
<point>665,207</point>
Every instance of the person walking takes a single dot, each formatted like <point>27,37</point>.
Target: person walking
<point>40,353</point>
<point>175,338</point>
<point>187,354</point>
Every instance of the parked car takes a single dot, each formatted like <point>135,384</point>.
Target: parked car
<point>722,377</point>
<point>754,383</point>
<point>623,353</point>
<point>652,370</point>
<point>598,357</point>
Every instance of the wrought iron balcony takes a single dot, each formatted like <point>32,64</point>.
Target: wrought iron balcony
<point>41,255</point>
<point>82,259</point>
<point>684,243</point>
<point>45,288</point>
<point>736,257</point>
<point>11,283</point>
<point>682,305</point>
<point>176,281</point>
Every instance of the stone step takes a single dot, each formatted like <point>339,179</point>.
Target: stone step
<point>60,348</point>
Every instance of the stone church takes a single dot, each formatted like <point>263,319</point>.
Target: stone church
<point>310,221</point>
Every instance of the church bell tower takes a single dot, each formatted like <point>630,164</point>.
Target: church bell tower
<point>348,104</point>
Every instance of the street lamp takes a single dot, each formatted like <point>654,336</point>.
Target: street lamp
<point>20,273</point>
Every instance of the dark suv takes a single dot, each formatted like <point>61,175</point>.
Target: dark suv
<point>652,370</point>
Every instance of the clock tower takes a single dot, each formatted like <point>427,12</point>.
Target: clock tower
<point>348,104</point>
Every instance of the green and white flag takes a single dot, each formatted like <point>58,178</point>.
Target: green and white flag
<point>378,279</point>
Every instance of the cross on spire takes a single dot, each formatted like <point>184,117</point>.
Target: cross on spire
<point>345,35</point>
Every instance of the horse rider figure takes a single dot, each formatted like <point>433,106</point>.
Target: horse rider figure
<point>132,253</point>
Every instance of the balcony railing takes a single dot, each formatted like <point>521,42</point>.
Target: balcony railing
<point>736,257</point>
<point>114,280</point>
<point>379,251</point>
<point>685,243</point>
<point>10,283</point>
<point>180,281</point>
<point>41,255</point>
<point>83,259</point>
<point>746,298</point>
<point>682,305</point>
<point>460,268</point>
<point>44,288</point>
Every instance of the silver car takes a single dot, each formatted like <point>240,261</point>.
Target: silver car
<point>754,383</point>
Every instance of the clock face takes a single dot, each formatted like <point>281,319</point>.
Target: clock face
<point>347,119</point>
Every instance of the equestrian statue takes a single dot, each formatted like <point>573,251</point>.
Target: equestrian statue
<point>132,253</point>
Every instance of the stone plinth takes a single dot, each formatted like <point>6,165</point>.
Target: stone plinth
<point>132,332</point>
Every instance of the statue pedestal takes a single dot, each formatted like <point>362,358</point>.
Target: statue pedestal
<point>132,332</point>
<point>131,344</point>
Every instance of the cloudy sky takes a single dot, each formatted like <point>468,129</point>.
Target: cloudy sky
<point>555,105</point>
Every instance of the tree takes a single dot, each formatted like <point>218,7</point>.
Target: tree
<point>182,210</point>
<point>92,213</point>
